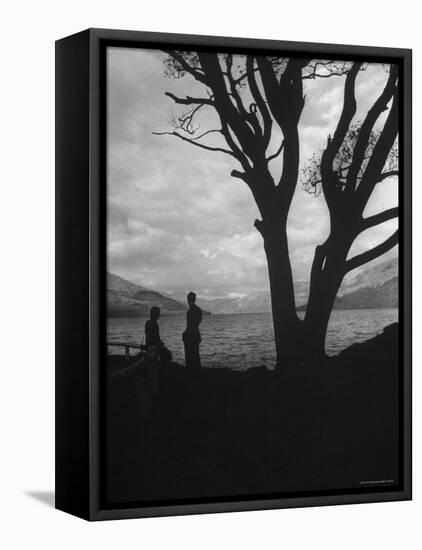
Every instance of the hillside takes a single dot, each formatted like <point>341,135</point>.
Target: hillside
<point>371,287</point>
<point>125,299</point>
<point>370,276</point>
<point>382,296</point>
<point>259,302</point>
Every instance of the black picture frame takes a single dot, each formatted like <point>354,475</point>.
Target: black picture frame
<point>80,270</point>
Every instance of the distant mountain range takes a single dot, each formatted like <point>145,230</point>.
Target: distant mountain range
<point>371,287</point>
<point>259,302</point>
<point>384,295</point>
<point>125,299</point>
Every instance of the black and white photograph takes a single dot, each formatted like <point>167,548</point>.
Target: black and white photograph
<point>253,212</point>
<point>210,237</point>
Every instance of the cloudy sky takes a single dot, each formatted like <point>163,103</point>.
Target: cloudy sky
<point>177,220</point>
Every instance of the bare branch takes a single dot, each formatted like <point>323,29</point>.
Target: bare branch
<point>320,75</point>
<point>330,68</point>
<point>372,116</point>
<point>193,142</point>
<point>227,111</point>
<point>233,88</point>
<point>190,100</point>
<point>239,80</point>
<point>239,175</point>
<point>215,131</point>
<point>311,173</point>
<point>185,120</point>
<point>381,217</point>
<point>373,171</point>
<point>259,100</point>
<point>347,114</point>
<point>286,102</point>
<point>330,180</point>
<point>196,73</point>
<point>375,252</point>
<point>275,155</point>
<point>390,174</point>
<point>249,116</point>
<point>385,175</point>
<point>237,152</point>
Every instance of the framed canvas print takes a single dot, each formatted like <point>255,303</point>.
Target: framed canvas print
<point>233,274</point>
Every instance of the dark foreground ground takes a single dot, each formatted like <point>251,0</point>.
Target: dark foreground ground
<point>332,425</point>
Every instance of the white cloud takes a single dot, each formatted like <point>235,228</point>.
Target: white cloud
<point>177,220</point>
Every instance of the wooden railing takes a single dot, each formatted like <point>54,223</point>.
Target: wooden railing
<point>126,345</point>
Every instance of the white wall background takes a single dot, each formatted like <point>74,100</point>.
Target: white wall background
<point>27,274</point>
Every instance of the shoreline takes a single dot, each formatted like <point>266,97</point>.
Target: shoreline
<point>298,310</point>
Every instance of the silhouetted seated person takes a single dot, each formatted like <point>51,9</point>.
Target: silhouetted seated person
<point>192,336</point>
<point>153,342</point>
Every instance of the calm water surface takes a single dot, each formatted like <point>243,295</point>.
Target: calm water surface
<point>244,341</point>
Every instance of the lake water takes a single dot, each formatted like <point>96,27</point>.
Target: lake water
<point>244,341</point>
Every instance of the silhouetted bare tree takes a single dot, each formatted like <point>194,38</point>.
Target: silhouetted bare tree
<point>355,160</point>
<point>252,97</point>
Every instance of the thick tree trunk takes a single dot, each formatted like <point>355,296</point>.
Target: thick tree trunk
<point>285,320</point>
<point>326,277</point>
<point>323,292</point>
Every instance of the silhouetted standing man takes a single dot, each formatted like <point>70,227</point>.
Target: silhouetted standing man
<point>192,336</point>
